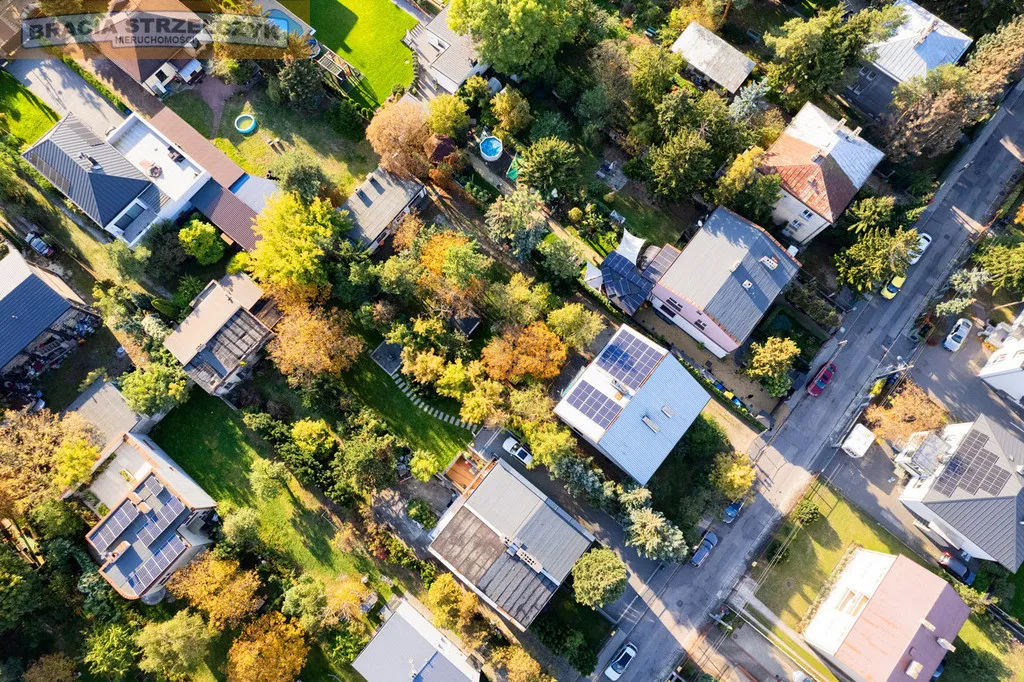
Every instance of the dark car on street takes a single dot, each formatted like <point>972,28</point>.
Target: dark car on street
<point>821,379</point>
<point>730,513</point>
<point>957,567</point>
<point>703,551</point>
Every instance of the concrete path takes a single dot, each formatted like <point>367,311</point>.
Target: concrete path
<point>413,11</point>
<point>432,411</point>
<point>65,91</point>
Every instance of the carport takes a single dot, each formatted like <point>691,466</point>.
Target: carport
<point>229,213</point>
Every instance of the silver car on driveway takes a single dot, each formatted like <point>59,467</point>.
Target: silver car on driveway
<point>958,335</point>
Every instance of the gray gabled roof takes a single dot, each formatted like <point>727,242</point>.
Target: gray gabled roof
<point>65,157</point>
<point>980,494</point>
<point>920,44</point>
<point>28,305</point>
<point>713,56</point>
<point>103,406</point>
<point>459,58</point>
<point>377,202</point>
<point>726,271</point>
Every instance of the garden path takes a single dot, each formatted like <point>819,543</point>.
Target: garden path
<point>215,93</point>
<point>432,411</point>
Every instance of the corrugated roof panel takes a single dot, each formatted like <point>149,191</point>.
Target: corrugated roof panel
<point>28,306</point>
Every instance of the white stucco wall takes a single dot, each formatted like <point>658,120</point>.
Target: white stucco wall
<point>787,209</point>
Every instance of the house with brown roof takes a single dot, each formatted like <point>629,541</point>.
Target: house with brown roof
<point>886,619</point>
<point>823,164</point>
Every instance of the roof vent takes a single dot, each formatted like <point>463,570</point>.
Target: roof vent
<point>945,644</point>
<point>651,424</point>
<point>91,159</point>
<point>528,559</point>
<point>668,411</point>
<point>914,669</point>
<point>770,262</point>
<point>747,284</point>
<point>1020,469</point>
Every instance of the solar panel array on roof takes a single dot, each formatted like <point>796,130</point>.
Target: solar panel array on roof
<point>973,468</point>
<point>629,359</point>
<point>623,282</point>
<point>661,263</point>
<point>593,404</point>
<point>148,573</point>
<point>166,516</point>
<point>114,526</point>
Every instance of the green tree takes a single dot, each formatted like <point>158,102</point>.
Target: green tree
<point>734,474</point>
<point>576,325</point>
<point>49,668</point>
<point>202,241</point>
<point>54,518</point>
<point>550,442</point>
<point>549,164</point>
<point>449,115</point>
<point>512,111</point>
<point>871,213</point>
<point>267,478</point>
<point>560,260</point>
<point>242,529</point>
<point>1005,263</point>
<point>519,301</point>
<point>518,219</point>
<point>302,83</point>
<point>424,465</point>
<point>550,124</point>
<point>111,651</point>
<point>977,600</point>
<point>930,113</point>
<point>654,536</point>
<point>515,36</point>
<point>19,589</point>
<point>811,55</point>
<point>295,241</point>
<point>998,58</point>
<point>771,361</point>
<point>367,457</point>
<point>299,172</point>
<point>653,70</point>
<point>876,258</point>
<point>464,264</point>
<point>130,265</point>
<point>598,577</point>
<point>155,388</point>
<point>174,648</point>
<point>680,166</point>
<point>747,191</point>
<point>306,600</point>
<point>451,605</point>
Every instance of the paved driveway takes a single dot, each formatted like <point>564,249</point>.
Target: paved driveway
<point>65,91</point>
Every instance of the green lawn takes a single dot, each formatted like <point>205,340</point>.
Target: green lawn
<point>793,584</point>
<point>368,34</point>
<point>209,441</point>
<point>346,162</point>
<point>27,116</point>
<point>60,386</point>
<point>191,107</point>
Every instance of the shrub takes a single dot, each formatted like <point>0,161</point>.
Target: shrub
<point>420,512</point>
<point>202,241</point>
<point>807,512</point>
<point>568,643</point>
<point>345,119</point>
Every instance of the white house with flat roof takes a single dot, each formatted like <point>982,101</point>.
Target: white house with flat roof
<point>633,403</point>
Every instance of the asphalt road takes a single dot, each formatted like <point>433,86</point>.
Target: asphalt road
<point>872,340</point>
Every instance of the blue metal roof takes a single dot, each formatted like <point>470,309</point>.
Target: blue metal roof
<point>28,306</point>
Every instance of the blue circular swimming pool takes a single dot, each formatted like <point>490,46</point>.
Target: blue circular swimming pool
<point>491,148</point>
<point>245,123</point>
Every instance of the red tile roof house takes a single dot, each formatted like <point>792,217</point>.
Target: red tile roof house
<point>886,619</point>
<point>823,164</point>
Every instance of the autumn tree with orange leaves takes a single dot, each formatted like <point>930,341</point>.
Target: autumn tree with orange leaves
<point>532,353</point>
<point>313,341</point>
<point>270,649</point>
<point>218,588</point>
<point>397,133</point>
<point>909,411</point>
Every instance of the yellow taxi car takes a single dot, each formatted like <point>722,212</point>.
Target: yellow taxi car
<point>890,290</point>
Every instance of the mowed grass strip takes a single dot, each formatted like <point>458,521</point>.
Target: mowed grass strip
<point>27,117</point>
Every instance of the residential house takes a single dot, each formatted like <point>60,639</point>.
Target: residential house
<point>509,543</point>
<point>967,484</point>
<point>823,164</point>
<point>722,283</point>
<point>41,319</point>
<point>408,647</point>
<point>379,205</point>
<point>221,338</point>
<point>619,278</point>
<point>1004,370</point>
<point>155,66</point>
<point>103,406</point>
<point>633,403</point>
<point>447,57</point>
<point>713,57</point>
<point>154,517</point>
<point>885,618</point>
<point>920,44</point>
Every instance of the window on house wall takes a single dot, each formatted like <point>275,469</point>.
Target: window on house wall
<point>668,311</point>
<point>795,224</point>
<point>700,324</point>
<point>807,213</point>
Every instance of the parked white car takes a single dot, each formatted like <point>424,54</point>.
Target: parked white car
<point>517,450</point>
<point>958,335</point>
<point>621,661</point>
<point>922,245</point>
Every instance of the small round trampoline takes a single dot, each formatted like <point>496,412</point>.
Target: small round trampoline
<point>245,123</point>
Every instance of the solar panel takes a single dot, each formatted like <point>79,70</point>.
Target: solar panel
<point>169,513</point>
<point>624,283</point>
<point>630,359</point>
<point>973,468</point>
<point>114,526</point>
<point>594,405</point>
<point>661,263</point>
<point>147,574</point>
<point>50,173</point>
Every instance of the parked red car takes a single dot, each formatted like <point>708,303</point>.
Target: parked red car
<point>821,379</point>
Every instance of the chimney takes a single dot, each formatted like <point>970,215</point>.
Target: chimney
<point>927,31</point>
<point>651,424</point>
<point>945,644</point>
<point>927,624</point>
<point>92,160</point>
<point>856,131</point>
